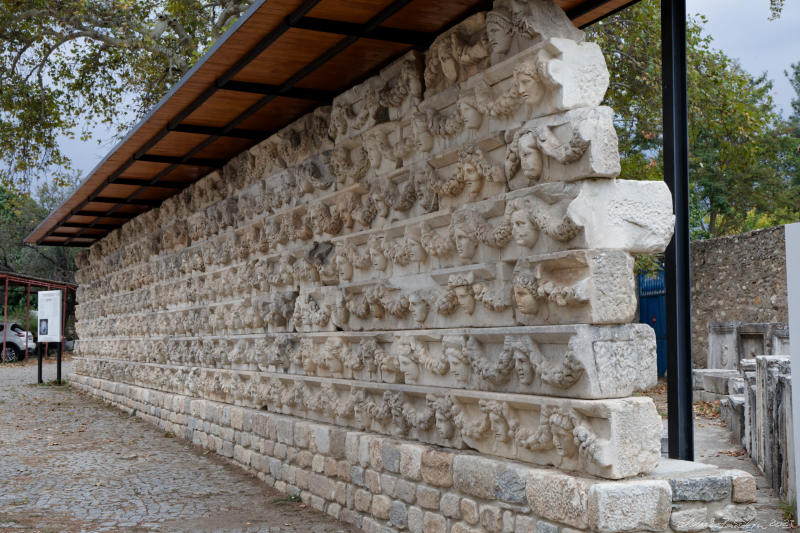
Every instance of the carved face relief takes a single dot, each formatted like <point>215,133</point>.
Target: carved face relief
<point>529,87</point>
<point>416,252</point>
<point>563,441</point>
<point>378,259</point>
<point>448,63</point>
<point>466,245</point>
<point>423,138</point>
<point>465,298</point>
<point>419,307</point>
<point>470,114</point>
<point>405,361</point>
<point>459,367</point>
<point>525,300</point>
<point>473,181</point>
<point>523,366</point>
<point>444,425</point>
<point>499,31</point>
<point>523,230</point>
<point>499,426</point>
<point>530,158</point>
<point>344,267</point>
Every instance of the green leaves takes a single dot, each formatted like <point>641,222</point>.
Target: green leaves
<point>741,171</point>
<point>69,65</point>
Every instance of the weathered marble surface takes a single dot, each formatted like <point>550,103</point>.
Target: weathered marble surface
<point>444,254</point>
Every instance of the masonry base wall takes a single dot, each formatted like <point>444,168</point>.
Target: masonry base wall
<point>380,484</point>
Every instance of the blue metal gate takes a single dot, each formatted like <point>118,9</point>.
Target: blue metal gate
<point>653,311</point>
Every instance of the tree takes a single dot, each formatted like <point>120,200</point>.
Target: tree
<point>19,215</point>
<point>68,65</point>
<point>735,134</point>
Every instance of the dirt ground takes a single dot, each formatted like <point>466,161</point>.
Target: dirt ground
<point>71,464</point>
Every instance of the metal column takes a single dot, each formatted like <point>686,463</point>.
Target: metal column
<point>5,322</point>
<point>677,268</point>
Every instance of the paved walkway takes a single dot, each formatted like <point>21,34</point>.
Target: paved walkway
<point>68,463</point>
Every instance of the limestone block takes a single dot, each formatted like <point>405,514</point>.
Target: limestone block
<point>446,298</point>
<point>593,286</point>
<point>722,345</point>
<point>695,519</point>
<point>578,144</point>
<point>559,497</point>
<point>554,76</point>
<point>632,506</point>
<point>607,438</point>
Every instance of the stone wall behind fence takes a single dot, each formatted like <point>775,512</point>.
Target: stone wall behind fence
<point>443,258</point>
<point>741,278</point>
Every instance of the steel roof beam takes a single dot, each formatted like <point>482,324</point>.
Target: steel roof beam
<point>317,95</point>
<point>238,133</point>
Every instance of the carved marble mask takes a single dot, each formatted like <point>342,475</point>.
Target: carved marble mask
<point>448,64</point>
<point>407,365</point>
<point>473,181</point>
<point>498,29</point>
<point>459,367</point>
<point>529,87</point>
<point>378,259</point>
<point>471,115</point>
<point>465,243</point>
<point>530,157</point>
<point>526,301</point>
<point>523,366</point>
<point>523,230</point>
<point>563,441</point>
<point>465,298</point>
<point>419,308</point>
<point>499,426</point>
<point>344,267</point>
<point>444,425</point>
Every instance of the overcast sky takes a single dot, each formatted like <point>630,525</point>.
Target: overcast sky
<point>741,28</point>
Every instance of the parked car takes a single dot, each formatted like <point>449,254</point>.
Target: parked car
<point>15,342</point>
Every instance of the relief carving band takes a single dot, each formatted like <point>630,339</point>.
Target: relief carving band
<point>445,254</point>
<point>590,287</point>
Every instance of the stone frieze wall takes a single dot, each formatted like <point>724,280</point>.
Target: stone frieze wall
<point>444,255</point>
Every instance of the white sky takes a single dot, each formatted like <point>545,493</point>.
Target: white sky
<point>741,28</point>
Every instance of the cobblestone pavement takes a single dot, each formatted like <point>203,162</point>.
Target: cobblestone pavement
<point>69,463</point>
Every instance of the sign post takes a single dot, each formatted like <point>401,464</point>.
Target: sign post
<point>792,232</point>
<point>49,329</point>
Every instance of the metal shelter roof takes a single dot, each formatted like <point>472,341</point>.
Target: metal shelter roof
<point>282,59</point>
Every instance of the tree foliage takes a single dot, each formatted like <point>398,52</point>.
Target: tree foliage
<point>740,165</point>
<point>68,65</point>
<point>19,215</point>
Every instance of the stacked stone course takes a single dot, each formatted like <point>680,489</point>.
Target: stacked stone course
<point>439,263</point>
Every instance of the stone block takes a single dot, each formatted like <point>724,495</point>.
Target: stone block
<point>434,523</point>
<point>428,498</point>
<point>491,518</point>
<point>695,519</point>
<point>631,506</point>
<point>469,511</point>
<point>449,505</point>
<point>411,461</point>
<point>415,520</point>
<point>744,486</point>
<point>475,475</point>
<point>372,480</point>
<point>390,457</point>
<point>363,500</point>
<point>398,515</point>
<point>407,491</point>
<point>437,468</point>
<point>559,497</point>
<point>704,489</point>
<point>381,507</point>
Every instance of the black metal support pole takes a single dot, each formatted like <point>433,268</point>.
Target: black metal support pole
<point>58,362</point>
<point>677,266</point>
<point>39,362</point>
